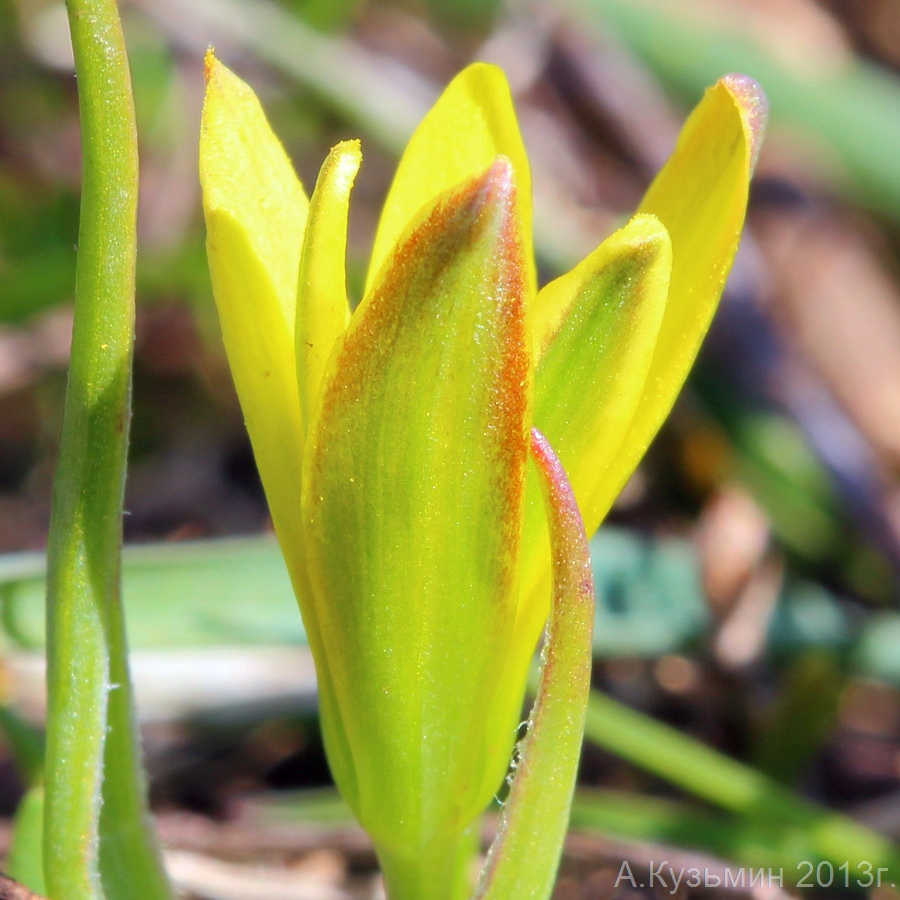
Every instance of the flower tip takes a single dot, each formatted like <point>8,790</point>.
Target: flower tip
<point>498,182</point>
<point>346,156</point>
<point>209,61</point>
<point>754,107</point>
<point>493,195</point>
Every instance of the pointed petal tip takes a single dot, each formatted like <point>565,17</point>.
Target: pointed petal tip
<point>499,181</point>
<point>644,231</point>
<point>484,72</point>
<point>470,124</point>
<point>494,196</point>
<point>491,194</point>
<point>754,106</point>
<point>209,62</point>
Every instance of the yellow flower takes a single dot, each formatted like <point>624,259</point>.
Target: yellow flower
<point>392,443</point>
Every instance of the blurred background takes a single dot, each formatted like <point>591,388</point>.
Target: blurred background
<point>747,579</point>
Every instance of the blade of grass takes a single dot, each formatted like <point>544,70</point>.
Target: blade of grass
<point>199,593</point>
<point>97,838</point>
<point>852,107</point>
<point>809,697</point>
<point>25,859</point>
<point>730,785</point>
<point>666,822</point>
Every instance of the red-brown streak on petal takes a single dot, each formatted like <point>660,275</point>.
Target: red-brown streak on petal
<point>514,384</point>
<point>425,412</point>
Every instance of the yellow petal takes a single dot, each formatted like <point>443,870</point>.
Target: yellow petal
<point>471,124</point>
<point>255,211</point>
<point>322,307</point>
<point>701,197</point>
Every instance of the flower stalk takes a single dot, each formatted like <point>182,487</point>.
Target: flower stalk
<point>98,841</point>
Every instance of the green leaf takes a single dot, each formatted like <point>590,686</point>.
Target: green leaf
<point>524,857</point>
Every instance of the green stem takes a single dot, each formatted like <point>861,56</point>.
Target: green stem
<point>438,873</point>
<point>93,755</point>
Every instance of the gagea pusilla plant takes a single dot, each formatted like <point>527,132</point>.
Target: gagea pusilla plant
<point>412,451</point>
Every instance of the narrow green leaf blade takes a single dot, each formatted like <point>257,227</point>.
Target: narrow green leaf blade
<point>738,788</point>
<point>25,861</point>
<point>525,855</point>
<point>193,594</point>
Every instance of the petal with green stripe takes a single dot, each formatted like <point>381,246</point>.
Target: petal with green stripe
<point>599,326</point>
<point>413,489</point>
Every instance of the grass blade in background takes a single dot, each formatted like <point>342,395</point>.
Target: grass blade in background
<point>25,861</point>
<point>767,809</point>
<point>235,592</point>
<point>97,837</point>
<point>852,107</point>
<point>192,594</point>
